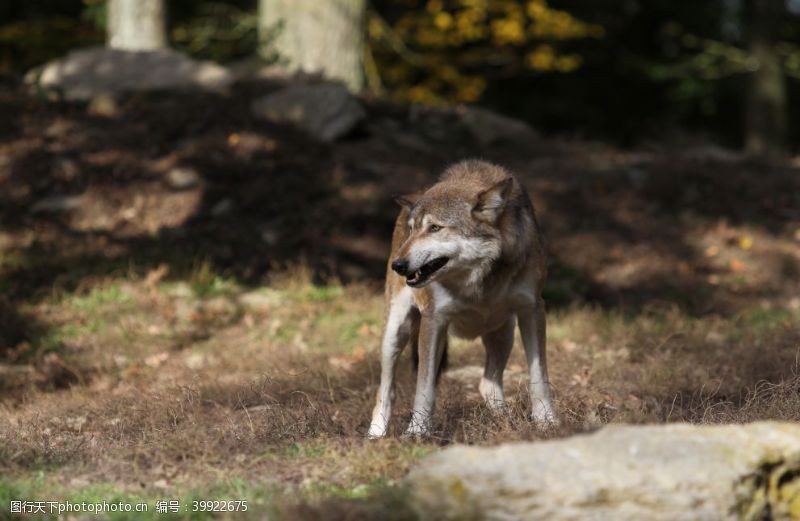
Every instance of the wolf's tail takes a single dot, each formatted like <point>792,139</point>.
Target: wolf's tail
<point>442,363</point>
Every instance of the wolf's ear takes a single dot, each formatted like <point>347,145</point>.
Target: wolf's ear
<point>491,201</point>
<point>407,201</point>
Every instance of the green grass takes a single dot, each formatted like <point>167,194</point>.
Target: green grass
<point>297,450</point>
<point>249,499</point>
<point>206,283</point>
<point>261,499</point>
<point>766,320</point>
<point>98,298</point>
<point>321,293</point>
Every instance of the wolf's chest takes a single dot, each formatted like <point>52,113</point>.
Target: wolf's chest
<point>474,321</point>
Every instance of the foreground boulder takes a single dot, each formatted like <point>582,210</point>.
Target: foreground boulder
<point>86,73</point>
<point>664,472</point>
<point>325,111</point>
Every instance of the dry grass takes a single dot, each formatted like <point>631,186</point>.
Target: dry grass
<point>186,385</point>
<point>151,367</point>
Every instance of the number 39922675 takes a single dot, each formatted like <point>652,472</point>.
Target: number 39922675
<point>219,506</point>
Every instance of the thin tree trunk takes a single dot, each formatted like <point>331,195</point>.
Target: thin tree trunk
<point>137,25</point>
<point>766,108</point>
<point>316,37</point>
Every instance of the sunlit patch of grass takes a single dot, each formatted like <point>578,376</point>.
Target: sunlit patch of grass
<point>16,490</point>
<point>299,450</point>
<point>285,333</point>
<point>344,327</point>
<point>378,503</point>
<point>322,293</point>
<point>244,499</point>
<point>97,298</point>
<point>766,319</point>
<point>206,282</point>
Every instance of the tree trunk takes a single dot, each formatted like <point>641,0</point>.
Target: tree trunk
<point>315,36</point>
<point>137,25</point>
<point>766,123</point>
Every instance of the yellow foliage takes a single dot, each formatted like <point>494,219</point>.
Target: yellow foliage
<point>499,33</point>
<point>568,63</point>
<point>443,20</point>
<point>508,31</point>
<point>543,58</point>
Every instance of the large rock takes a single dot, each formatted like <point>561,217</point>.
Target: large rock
<point>86,73</point>
<point>326,111</point>
<point>667,472</point>
<point>489,128</point>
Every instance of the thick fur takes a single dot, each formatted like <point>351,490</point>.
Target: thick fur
<point>479,219</point>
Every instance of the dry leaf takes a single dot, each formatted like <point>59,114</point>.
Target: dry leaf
<point>745,242</point>
<point>737,266</point>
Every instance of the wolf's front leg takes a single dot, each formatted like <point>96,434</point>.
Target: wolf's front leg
<point>532,329</point>
<point>432,343</point>
<point>400,321</point>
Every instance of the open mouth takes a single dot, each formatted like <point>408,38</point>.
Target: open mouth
<point>424,273</point>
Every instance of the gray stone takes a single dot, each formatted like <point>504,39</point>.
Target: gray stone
<point>86,73</point>
<point>660,472</point>
<point>326,111</point>
<point>222,207</point>
<point>183,178</point>
<point>57,204</point>
<point>489,127</point>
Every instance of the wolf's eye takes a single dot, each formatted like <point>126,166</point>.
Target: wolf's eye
<point>433,228</point>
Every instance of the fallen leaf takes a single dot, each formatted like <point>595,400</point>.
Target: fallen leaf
<point>711,251</point>
<point>359,353</point>
<point>745,242</point>
<point>132,371</point>
<point>737,266</point>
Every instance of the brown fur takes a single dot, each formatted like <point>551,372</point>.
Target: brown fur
<point>479,218</point>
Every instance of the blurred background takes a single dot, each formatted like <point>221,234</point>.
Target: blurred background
<point>625,71</point>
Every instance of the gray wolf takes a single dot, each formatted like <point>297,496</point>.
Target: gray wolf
<point>467,258</point>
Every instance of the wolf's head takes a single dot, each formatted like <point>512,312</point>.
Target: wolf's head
<point>453,230</point>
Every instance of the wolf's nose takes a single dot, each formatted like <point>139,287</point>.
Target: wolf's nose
<point>400,266</point>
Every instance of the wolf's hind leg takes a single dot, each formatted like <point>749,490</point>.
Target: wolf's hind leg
<point>401,320</point>
<point>498,344</point>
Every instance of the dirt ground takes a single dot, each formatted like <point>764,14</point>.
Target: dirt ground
<point>190,299</point>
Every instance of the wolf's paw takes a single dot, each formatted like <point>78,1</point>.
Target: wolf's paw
<point>375,434</point>
<point>492,395</point>
<point>543,415</point>
<point>417,429</point>
<point>378,428</point>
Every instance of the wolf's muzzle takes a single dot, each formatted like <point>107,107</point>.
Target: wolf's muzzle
<point>400,266</point>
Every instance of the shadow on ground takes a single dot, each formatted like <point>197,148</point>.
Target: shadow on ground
<point>180,180</point>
